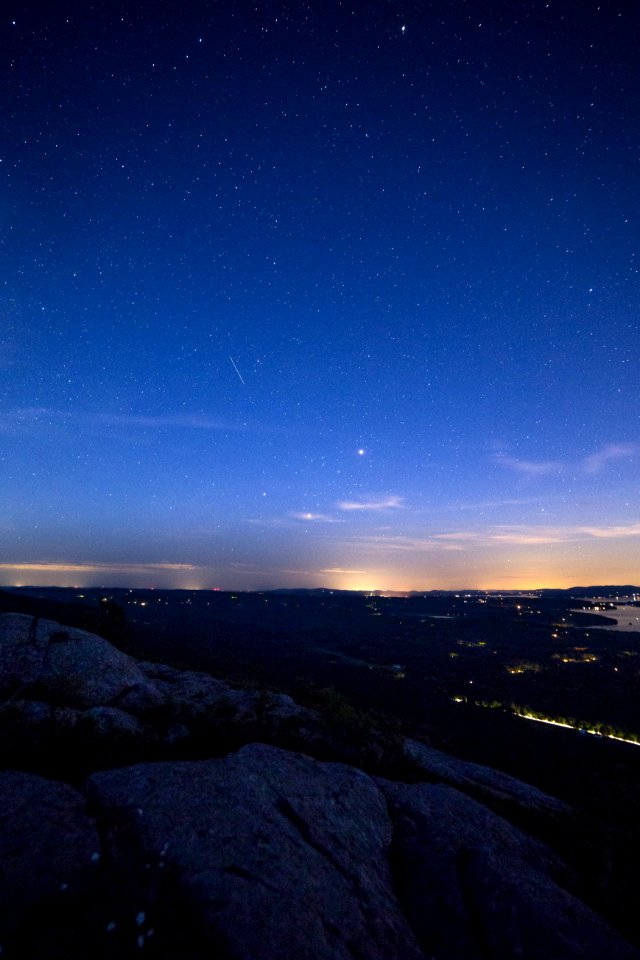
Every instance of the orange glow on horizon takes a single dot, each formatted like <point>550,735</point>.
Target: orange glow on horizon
<point>456,574</point>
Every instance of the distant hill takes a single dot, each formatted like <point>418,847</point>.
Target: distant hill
<point>607,591</point>
<point>309,591</point>
<point>25,600</point>
<point>73,613</point>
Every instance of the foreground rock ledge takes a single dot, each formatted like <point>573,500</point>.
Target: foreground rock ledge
<point>276,855</point>
<point>262,853</point>
<point>269,854</point>
<point>272,854</point>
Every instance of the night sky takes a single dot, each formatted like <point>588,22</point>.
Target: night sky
<point>320,294</point>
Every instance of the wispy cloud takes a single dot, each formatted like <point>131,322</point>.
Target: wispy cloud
<point>626,530</point>
<point>458,541</point>
<point>29,419</point>
<point>182,421</point>
<point>497,503</point>
<point>64,566</point>
<point>389,503</point>
<point>275,523</point>
<point>292,521</point>
<point>592,463</point>
<point>457,535</point>
<point>500,535</point>
<point>538,535</point>
<point>532,468</point>
<point>343,570</point>
<point>403,543</point>
<point>613,451</point>
<point>314,517</point>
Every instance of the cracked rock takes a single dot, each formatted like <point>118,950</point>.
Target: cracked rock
<point>272,854</point>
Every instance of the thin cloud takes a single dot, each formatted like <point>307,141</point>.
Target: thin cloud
<point>528,539</point>
<point>501,536</point>
<point>390,503</point>
<point>276,523</point>
<point>613,451</point>
<point>530,468</point>
<point>314,517</point>
<point>458,535</point>
<point>179,421</point>
<point>497,504</point>
<point>182,421</point>
<point>538,535</point>
<point>402,543</point>
<point>291,521</point>
<point>54,566</point>
<point>610,533</point>
<point>497,536</point>
<point>593,463</point>
<point>28,419</point>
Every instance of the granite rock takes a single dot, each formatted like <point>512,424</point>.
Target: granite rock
<point>65,666</point>
<point>475,886</point>
<point>273,854</point>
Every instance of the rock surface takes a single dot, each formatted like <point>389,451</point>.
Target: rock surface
<point>501,792</point>
<point>70,694</point>
<point>49,849</point>
<point>194,698</point>
<point>474,886</point>
<point>261,853</point>
<point>277,855</point>
<point>64,665</point>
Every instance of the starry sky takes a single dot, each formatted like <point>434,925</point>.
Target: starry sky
<point>320,293</point>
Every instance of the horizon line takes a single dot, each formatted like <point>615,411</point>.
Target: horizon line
<point>363,590</point>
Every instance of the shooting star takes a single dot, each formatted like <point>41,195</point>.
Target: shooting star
<point>237,371</point>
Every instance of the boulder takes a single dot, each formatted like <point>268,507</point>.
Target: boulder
<point>270,854</point>
<point>195,698</point>
<point>67,667</point>
<point>267,853</point>
<point>112,725</point>
<point>474,886</point>
<point>192,697</point>
<point>502,793</point>
<point>49,854</point>
<point>63,741</point>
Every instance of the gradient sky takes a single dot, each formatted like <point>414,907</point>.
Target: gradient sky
<point>320,293</point>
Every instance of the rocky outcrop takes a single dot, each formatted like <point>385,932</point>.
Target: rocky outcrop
<point>502,793</point>
<point>49,858</point>
<point>42,660</point>
<point>259,852</point>
<point>474,886</point>
<point>71,698</point>
<point>272,854</point>
<point>194,698</point>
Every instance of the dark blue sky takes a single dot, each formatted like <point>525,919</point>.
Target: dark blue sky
<point>320,293</point>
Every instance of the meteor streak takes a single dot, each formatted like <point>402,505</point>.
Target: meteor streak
<point>237,371</point>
